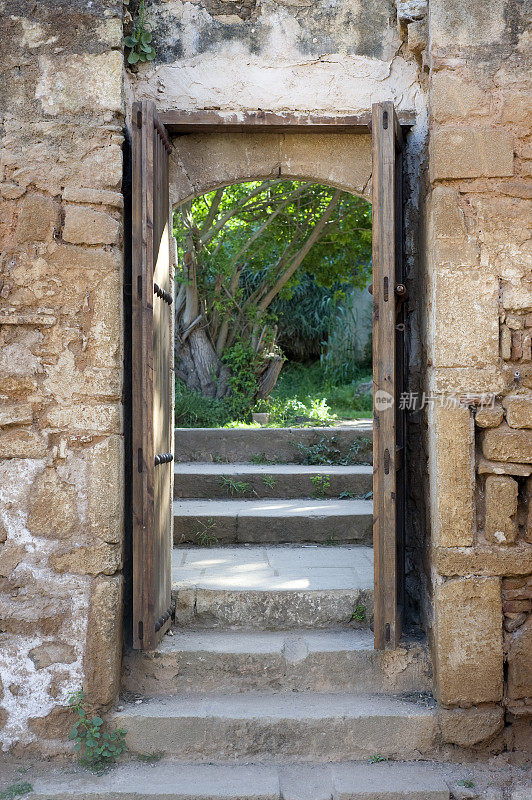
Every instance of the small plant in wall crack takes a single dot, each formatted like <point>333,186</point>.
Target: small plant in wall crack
<point>97,749</point>
<point>204,536</point>
<point>233,487</point>
<point>359,614</point>
<point>321,484</point>
<point>269,481</point>
<point>139,40</point>
<point>150,758</point>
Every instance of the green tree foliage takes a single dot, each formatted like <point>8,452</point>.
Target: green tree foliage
<point>245,252</point>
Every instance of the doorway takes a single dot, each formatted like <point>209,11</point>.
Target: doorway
<point>210,160</point>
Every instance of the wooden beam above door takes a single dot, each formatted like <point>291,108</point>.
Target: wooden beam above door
<point>214,121</point>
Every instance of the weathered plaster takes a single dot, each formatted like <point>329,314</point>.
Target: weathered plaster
<point>26,688</point>
<point>60,358</point>
<point>329,57</point>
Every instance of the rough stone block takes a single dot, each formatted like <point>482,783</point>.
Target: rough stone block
<point>65,258</point>
<point>11,191</point>
<point>417,37</point>
<point>104,341</point>
<point>15,414</point>
<point>471,726</point>
<point>105,559</point>
<point>55,725</point>
<point>65,380</point>
<point>22,444</point>
<point>468,641</point>
<point>11,556</point>
<point>507,444</point>
<point>102,661</point>
<point>516,560</point>
<point>506,343</point>
<point>408,10</point>
<point>223,164</point>
<point>86,226</point>
<point>17,359</point>
<point>500,226</point>
<point>470,153</point>
<point>489,417</point>
<point>453,24</point>
<point>450,243</point>
<point>516,108</point>
<point>520,662</point>
<point>76,194</point>
<point>501,468</point>
<point>528,526</point>
<point>38,218</point>
<point>52,653</point>
<point>466,307</point>
<point>102,168</point>
<point>453,476</point>
<point>105,478</point>
<point>501,509</point>
<point>98,418</point>
<point>342,160</point>
<point>454,98</point>
<point>53,506</point>
<point>80,82</point>
<point>518,410</point>
<point>467,380</point>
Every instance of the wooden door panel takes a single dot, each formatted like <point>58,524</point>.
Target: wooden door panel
<point>151,378</point>
<point>388,365</point>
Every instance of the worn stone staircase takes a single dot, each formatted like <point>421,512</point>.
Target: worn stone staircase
<point>268,686</point>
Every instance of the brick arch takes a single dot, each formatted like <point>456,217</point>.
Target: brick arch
<point>204,162</point>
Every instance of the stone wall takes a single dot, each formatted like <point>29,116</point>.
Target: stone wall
<point>61,447</point>
<point>479,299</point>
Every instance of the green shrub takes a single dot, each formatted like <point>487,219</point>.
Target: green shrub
<point>303,396</point>
<point>192,410</point>
<point>16,790</point>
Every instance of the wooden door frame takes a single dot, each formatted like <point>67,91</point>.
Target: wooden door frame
<point>179,122</point>
<point>183,122</point>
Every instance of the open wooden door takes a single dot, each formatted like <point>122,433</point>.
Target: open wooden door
<point>388,370</point>
<point>152,371</point>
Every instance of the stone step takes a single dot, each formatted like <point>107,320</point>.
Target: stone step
<point>300,660</point>
<point>212,481</point>
<point>299,726</point>
<point>169,780</point>
<point>273,588</point>
<point>273,521</point>
<point>352,442</point>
